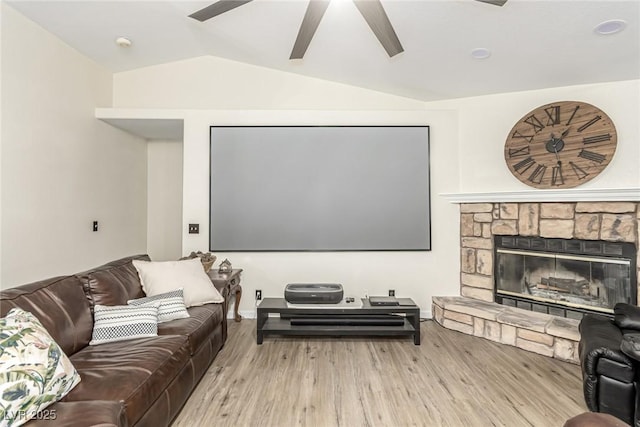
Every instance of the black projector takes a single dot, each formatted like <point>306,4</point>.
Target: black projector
<point>313,293</point>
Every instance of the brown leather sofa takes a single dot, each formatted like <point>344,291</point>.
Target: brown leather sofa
<point>141,382</point>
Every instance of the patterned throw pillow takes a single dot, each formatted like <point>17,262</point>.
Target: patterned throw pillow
<point>171,305</point>
<point>123,322</point>
<point>34,371</point>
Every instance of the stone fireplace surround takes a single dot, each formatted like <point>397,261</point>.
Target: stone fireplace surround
<point>475,313</point>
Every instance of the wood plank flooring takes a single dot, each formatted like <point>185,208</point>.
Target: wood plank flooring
<point>452,379</point>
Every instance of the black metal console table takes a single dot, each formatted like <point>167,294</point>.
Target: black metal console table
<point>282,325</point>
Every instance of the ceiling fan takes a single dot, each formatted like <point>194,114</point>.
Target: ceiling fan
<point>371,10</point>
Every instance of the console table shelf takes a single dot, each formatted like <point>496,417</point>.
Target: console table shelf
<point>271,325</point>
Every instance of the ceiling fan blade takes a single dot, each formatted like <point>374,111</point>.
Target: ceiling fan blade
<point>494,2</point>
<point>217,8</point>
<point>312,17</point>
<point>373,12</point>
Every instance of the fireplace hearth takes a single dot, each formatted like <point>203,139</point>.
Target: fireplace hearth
<point>564,277</point>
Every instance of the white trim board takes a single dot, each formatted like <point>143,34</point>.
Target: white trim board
<point>571,195</point>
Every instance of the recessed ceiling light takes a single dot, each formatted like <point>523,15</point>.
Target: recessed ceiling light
<point>123,42</point>
<point>610,27</point>
<point>480,53</point>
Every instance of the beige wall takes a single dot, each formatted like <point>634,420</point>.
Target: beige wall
<point>214,83</point>
<point>62,168</point>
<point>164,200</point>
<point>485,122</point>
<point>419,275</point>
<point>216,91</point>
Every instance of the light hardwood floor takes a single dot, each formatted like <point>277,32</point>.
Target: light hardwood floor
<point>452,379</point>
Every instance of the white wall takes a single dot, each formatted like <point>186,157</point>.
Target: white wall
<point>485,123</point>
<point>228,92</point>
<point>214,83</point>
<point>164,200</point>
<point>419,275</point>
<point>62,168</point>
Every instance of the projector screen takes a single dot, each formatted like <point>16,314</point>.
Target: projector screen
<point>319,188</point>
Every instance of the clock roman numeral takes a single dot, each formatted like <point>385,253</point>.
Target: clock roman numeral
<point>580,173</point>
<point>589,123</point>
<point>523,165</point>
<point>556,175</point>
<point>572,115</point>
<point>590,155</point>
<point>517,152</point>
<point>538,173</point>
<point>533,121</point>
<point>553,115</point>
<point>517,134</point>
<point>596,139</point>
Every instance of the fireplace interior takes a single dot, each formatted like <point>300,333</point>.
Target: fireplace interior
<point>564,277</point>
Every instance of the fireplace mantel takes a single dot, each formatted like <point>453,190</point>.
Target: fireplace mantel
<point>571,195</point>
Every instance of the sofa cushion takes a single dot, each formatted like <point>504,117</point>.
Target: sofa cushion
<point>136,372</point>
<point>59,304</point>
<point>113,283</point>
<point>198,327</point>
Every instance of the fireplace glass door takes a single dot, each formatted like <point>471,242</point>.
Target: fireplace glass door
<point>591,283</point>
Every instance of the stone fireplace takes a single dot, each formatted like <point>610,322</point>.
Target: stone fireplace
<point>480,222</point>
<point>476,311</point>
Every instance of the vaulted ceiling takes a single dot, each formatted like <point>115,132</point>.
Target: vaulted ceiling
<point>532,44</point>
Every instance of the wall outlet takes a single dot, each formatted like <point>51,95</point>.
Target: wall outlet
<point>392,292</point>
<point>194,228</point>
<point>258,294</point>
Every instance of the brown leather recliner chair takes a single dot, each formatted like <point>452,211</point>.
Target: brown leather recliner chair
<point>610,358</point>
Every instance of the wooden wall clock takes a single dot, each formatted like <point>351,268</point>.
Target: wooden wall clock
<point>560,145</point>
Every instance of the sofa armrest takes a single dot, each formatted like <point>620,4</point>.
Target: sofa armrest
<point>600,338</point>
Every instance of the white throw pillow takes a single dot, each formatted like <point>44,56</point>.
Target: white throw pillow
<point>164,276</point>
<point>34,371</point>
<point>171,305</point>
<point>123,322</point>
